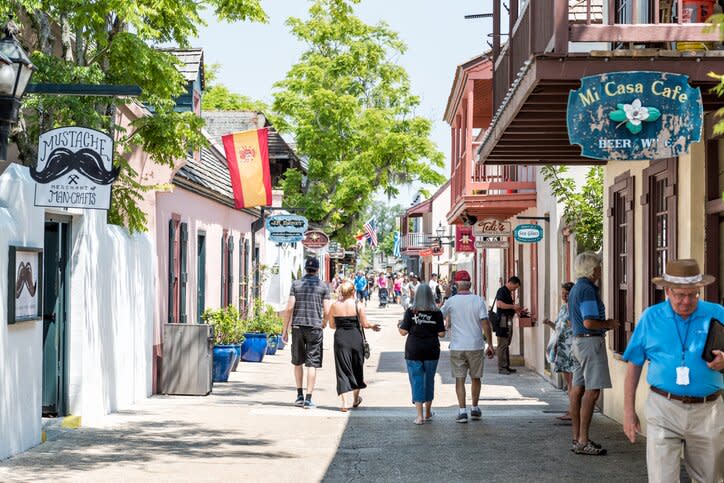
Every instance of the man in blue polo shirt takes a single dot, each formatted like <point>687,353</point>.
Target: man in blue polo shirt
<point>589,324</point>
<point>684,409</point>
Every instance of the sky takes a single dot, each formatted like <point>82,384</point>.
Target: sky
<point>253,56</point>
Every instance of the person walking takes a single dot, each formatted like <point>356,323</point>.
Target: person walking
<point>348,319</point>
<point>397,288</point>
<point>307,311</point>
<point>423,325</point>
<point>406,293</point>
<point>560,354</point>
<point>414,283</point>
<point>382,292</point>
<point>684,408</point>
<point>360,285</point>
<point>435,288</point>
<point>467,318</point>
<point>589,324</point>
<point>506,309</point>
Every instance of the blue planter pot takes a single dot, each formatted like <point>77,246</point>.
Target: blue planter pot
<point>254,347</point>
<point>272,345</point>
<point>280,343</point>
<point>237,352</point>
<point>224,356</point>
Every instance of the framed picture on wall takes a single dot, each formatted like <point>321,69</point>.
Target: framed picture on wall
<point>25,284</point>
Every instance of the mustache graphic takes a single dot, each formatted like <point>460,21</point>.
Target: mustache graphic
<point>23,279</point>
<point>86,161</point>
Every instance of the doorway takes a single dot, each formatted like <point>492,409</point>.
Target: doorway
<point>55,315</point>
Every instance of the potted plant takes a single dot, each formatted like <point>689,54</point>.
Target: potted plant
<point>228,336</point>
<point>275,324</point>
<point>255,336</point>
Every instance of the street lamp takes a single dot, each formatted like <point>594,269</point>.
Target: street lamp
<point>15,72</point>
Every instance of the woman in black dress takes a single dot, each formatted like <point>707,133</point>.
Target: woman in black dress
<point>348,319</point>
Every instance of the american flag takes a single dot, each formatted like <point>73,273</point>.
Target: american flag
<point>371,231</point>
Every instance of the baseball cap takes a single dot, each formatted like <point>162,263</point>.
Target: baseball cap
<point>311,264</point>
<point>462,276</point>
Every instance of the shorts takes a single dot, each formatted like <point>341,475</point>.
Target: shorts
<point>307,346</point>
<point>464,362</point>
<point>592,373</point>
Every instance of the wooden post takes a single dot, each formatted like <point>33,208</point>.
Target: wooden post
<point>512,18</point>
<point>611,12</point>
<point>560,29</point>
<point>496,31</point>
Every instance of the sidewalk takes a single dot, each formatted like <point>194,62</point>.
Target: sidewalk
<point>248,430</point>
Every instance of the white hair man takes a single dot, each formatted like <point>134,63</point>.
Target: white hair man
<point>684,410</point>
<point>588,321</point>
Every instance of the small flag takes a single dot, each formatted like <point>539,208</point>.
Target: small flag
<point>396,248</point>
<point>371,231</point>
<point>247,156</point>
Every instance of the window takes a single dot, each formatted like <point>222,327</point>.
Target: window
<point>660,227</point>
<point>621,265</point>
<point>227,264</point>
<point>177,269</point>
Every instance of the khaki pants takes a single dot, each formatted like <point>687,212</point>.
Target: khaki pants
<point>698,429</point>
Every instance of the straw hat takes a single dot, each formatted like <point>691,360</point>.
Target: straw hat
<point>681,274</point>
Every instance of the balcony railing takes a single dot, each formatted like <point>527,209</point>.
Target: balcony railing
<point>486,179</point>
<point>417,241</point>
<point>547,26</point>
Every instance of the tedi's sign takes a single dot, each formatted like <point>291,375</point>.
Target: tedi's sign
<point>634,115</point>
<point>74,169</point>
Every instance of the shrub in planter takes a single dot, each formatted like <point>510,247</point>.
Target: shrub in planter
<point>228,336</point>
<point>263,325</point>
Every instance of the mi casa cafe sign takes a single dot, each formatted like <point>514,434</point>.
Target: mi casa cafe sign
<point>74,169</point>
<point>634,116</point>
<point>286,228</point>
<point>528,233</point>
<point>492,227</point>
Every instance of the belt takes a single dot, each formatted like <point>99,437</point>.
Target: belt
<point>687,399</point>
<point>589,335</point>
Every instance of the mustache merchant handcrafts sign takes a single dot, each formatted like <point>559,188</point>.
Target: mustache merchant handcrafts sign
<point>74,169</point>
<point>635,115</point>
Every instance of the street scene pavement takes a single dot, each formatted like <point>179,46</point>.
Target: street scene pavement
<point>249,430</point>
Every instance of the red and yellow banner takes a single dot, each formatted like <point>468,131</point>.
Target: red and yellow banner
<point>247,155</point>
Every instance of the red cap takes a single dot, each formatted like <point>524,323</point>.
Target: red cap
<point>462,276</point>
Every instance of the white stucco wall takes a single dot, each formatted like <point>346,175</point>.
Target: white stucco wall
<point>110,318</point>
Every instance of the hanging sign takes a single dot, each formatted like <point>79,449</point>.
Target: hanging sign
<point>491,243</point>
<point>74,169</point>
<point>437,251</point>
<point>528,233</point>
<point>492,227</point>
<point>634,115</point>
<point>464,239</point>
<point>315,239</point>
<point>426,252</point>
<point>286,228</point>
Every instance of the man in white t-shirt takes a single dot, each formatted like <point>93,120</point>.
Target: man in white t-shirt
<point>466,316</point>
<point>433,286</point>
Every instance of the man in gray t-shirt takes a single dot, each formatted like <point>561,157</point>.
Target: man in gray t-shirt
<point>467,317</point>
<point>307,312</point>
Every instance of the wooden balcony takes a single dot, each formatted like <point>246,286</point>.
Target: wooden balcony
<point>538,66</point>
<point>414,242</point>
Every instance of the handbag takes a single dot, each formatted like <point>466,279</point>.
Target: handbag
<point>365,345</point>
<point>494,317</point>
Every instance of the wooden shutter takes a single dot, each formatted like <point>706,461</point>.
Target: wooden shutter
<point>171,270</point>
<point>659,200</point>
<point>230,271</point>
<point>183,275</point>
<point>621,259</point>
<point>224,302</point>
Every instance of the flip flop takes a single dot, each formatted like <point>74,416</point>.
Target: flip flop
<point>419,423</point>
<point>344,410</point>
<point>429,420</point>
<point>564,417</point>
<point>357,402</point>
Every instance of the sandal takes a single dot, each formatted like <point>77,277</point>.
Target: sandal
<point>357,402</point>
<point>590,449</point>
<point>344,409</point>
<point>574,444</point>
<point>429,419</point>
<point>564,417</point>
<point>419,422</point>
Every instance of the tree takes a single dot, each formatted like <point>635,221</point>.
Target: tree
<point>113,43</point>
<point>582,211</point>
<point>386,218</point>
<point>218,97</point>
<point>352,114</point>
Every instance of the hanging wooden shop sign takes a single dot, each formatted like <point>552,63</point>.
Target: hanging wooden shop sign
<point>315,239</point>
<point>464,239</point>
<point>636,115</point>
<point>490,243</point>
<point>492,227</point>
<point>528,233</point>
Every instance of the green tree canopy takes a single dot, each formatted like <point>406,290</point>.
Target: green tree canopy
<point>218,97</point>
<point>112,42</point>
<point>352,114</point>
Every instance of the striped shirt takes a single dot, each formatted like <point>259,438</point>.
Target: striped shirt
<point>309,293</point>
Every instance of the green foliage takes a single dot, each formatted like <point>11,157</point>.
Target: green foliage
<point>387,218</point>
<point>352,114</point>
<point>582,211</point>
<point>264,319</point>
<point>227,323</point>
<point>76,41</point>
<point>217,97</point>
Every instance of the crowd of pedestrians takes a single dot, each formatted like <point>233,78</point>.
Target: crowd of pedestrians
<point>684,409</point>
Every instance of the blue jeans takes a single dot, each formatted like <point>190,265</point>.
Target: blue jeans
<point>422,379</point>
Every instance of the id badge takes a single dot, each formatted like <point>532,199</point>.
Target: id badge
<point>682,376</point>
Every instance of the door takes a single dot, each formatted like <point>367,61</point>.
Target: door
<point>55,310</point>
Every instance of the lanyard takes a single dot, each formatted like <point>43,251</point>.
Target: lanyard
<point>683,342</point>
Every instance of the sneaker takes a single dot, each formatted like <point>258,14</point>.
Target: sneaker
<point>308,404</point>
<point>511,369</point>
<point>505,370</point>
<point>462,418</point>
<point>299,401</point>
<point>475,414</point>
<point>589,449</point>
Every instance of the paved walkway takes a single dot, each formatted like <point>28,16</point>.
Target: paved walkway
<point>248,430</point>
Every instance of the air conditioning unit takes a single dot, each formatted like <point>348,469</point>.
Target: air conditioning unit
<point>188,360</point>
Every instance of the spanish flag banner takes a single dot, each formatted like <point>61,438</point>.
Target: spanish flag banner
<point>247,155</point>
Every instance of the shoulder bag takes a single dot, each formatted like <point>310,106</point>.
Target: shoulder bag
<point>494,317</point>
<point>365,345</point>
